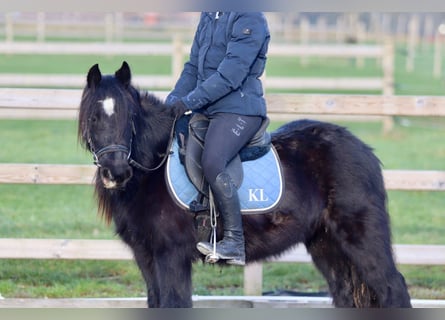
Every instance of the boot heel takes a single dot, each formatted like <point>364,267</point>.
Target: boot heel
<point>236,262</point>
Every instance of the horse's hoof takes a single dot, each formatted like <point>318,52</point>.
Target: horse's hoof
<point>210,258</point>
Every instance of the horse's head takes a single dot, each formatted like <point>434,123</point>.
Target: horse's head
<point>106,123</point>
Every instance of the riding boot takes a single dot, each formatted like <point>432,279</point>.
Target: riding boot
<point>231,247</point>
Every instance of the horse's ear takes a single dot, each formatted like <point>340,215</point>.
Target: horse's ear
<point>124,74</point>
<point>94,76</point>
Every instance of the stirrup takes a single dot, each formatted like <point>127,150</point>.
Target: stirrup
<point>211,258</point>
<point>214,257</point>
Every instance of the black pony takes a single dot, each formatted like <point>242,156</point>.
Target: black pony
<point>334,200</point>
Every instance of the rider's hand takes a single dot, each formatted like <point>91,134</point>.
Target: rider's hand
<point>179,108</point>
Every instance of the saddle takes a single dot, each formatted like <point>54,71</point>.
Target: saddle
<point>256,171</point>
<point>191,145</point>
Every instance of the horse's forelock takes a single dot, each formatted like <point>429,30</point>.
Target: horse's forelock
<point>126,103</point>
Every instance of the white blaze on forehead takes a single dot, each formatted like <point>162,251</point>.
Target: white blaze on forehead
<point>108,105</point>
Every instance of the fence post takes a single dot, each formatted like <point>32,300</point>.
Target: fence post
<point>437,67</point>
<point>388,67</point>
<point>388,79</point>
<point>119,26</point>
<point>109,27</point>
<point>413,33</point>
<point>288,27</point>
<point>340,29</point>
<point>304,37</point>
<point>9,29</point>
<point>361,38</point>
<point>253,279</point>
<point>322,29</point>
<point>41,26</point>
<point>177,56</point>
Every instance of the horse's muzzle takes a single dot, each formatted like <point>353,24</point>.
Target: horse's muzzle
<point>115,176</point>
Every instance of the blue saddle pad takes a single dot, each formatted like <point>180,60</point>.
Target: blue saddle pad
<point>260,190</point>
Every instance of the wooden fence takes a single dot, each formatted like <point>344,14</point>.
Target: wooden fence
<point>384,55</point>
<point>63,104</point>
<point>30,103</point>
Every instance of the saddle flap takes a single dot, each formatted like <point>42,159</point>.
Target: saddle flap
<point>197,130</point>
<point>193,165</point>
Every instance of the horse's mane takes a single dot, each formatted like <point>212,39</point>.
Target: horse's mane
<point>154,121</point>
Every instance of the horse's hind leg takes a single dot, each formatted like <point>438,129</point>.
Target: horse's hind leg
<point>359,275</point>
<point>375,273</point>
<point>366,241</point>
<point>335,268</point>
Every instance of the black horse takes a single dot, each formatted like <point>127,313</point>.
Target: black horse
<point>334,200</point>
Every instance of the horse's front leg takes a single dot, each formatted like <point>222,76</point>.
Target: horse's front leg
<point>146,266</point>
<point>173,273</point>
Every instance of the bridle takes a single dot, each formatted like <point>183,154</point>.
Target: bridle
<point>108,149</point>
<point>127,150</point>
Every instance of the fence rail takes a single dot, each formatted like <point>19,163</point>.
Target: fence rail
<point>63,103</point>
<point>25,173</point>
<point>72,249</point>
<point>384,54</point>
<point>17,103</point>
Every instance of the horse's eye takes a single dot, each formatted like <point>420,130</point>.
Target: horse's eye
<point>93,119</point>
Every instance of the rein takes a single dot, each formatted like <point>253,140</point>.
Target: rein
<point>121,148</point>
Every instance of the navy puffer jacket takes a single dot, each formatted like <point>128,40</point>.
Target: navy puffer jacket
<point>227,57</point>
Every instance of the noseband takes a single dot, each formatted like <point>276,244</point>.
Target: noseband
<point>108,149</point>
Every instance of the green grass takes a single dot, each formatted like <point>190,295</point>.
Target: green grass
<point>420,81</point>
<point>69,279</point>
<point>41,142</point>
<point>80,64</point>
<point>50,211</point>
<point>46,211</point>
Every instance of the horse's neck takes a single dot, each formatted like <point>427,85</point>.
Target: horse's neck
<point>152,137</point>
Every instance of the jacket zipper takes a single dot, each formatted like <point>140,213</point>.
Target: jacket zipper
<point>211,39</point>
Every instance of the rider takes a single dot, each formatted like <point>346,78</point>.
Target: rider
<point>221,80</point>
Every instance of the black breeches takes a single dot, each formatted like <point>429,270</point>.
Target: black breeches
<point>226,135</point>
